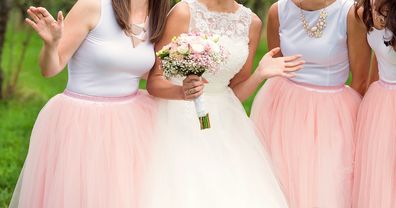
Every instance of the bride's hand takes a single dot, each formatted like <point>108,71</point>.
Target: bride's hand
<point>193,87</point>
<point>49,29</point>
<point>282,66</point>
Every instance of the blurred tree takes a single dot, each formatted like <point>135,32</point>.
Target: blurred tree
<point>12,15</point>
<point>4,15</point>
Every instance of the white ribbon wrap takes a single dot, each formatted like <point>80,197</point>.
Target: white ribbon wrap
<point>200,106</point>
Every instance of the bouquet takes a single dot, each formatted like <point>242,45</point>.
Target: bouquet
<point>193,54</point>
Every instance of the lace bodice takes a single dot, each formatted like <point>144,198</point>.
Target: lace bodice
<point>234,31</point>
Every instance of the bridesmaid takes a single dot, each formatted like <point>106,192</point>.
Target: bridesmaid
<point>375,171</point>
<point>88,143</point>
<point>308,121</point>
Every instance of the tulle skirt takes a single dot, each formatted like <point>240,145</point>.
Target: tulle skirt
<point>309,131</point>
<point>221,167</point>
<point>375,171</point>
<point>86,152</point>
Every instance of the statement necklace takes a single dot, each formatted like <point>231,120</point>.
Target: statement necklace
<point>138,31</point>
<point>315,31</point>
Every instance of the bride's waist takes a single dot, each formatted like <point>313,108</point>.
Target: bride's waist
<point>211,96</point>
<point>215,89</point>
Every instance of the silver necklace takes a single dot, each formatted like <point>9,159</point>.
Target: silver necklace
<point>315,31</point>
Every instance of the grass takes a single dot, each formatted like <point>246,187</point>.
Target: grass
<point>18,114</point>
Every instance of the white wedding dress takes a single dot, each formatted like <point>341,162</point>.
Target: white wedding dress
<point>225,166</point>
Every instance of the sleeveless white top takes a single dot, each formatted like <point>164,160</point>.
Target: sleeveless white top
<point>386,56</point>
<point>106,64</point>
<point>327,62</point>
<point>233,28</point>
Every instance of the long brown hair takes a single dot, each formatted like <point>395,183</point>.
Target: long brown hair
<point>390,6</point>
<point>157,12</point>
<point>381,5</point>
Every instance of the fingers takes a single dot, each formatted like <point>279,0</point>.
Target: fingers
<point>294,64</point>
<point>33,15</point>
<point>288,75</point>
<point>194,93</point>
<point>31,23</point>
<point>60,18</point>
<point>193,87</point>
<point>44,12</point>
<point>193,84</point>
<point>273,52</point>
<point>193,77</point>
<point>46,15</point>
<point>293,69</point>
<point>292,58</point>
<point>193,90</point>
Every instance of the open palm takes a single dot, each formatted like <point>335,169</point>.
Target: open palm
<point>282,66</point>
<point>49,29</point>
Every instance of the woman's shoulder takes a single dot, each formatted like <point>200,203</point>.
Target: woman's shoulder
<point>91,6</point>
<point>256,23</point>
<point>180,10</point>
<point>273,10</point>
<point>88,11</point>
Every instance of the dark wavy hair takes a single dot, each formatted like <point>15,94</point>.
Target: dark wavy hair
<point>157,11</point>
<point>390,17</point>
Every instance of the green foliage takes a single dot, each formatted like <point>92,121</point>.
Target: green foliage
<point>17,115</point>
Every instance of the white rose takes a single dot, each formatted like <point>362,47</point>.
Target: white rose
<point>197,48</point>
<point>214,47</point>
<point>183,49</point>
<point>216,38</point>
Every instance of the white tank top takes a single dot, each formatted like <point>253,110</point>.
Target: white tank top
<point>327,62</point>
<point>386,56</point>
<point>106,64</point>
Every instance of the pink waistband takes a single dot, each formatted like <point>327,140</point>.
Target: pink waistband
<point>317,88</point>
<point>98,98</point>
<point>387,85</point>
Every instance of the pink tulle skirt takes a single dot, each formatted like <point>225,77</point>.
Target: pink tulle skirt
<point>375,171</point>
<point>308,132</point>
<point>86,152</point>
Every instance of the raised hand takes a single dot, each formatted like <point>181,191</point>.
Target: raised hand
<point>49,29</point>
<point>193,87</point>
<point>282,66</point>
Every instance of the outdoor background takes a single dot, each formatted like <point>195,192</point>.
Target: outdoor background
<point>23,92</point>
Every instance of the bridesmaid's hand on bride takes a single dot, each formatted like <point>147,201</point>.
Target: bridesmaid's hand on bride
<point>193,86</point>
<point>282,66</point>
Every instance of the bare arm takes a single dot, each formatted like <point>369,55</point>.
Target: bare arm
<point>273,39</point>
<point>244,84</point>
<point>177,23</point>
<point>62,37</point>
<point>359,52</point>
<point>373,75</point>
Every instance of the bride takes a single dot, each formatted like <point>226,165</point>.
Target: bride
<point>224,166</point>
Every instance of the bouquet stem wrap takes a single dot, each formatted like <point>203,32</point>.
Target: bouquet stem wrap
<point>193,54</point>
<point>203,115</point>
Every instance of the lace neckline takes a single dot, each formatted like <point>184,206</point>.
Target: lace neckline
<point>234,25</point>
<point>206,9</point>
